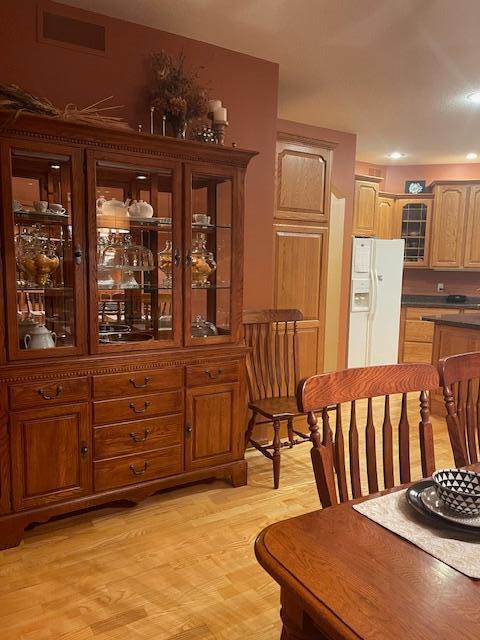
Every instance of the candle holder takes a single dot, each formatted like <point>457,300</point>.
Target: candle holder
<point>219,128</point>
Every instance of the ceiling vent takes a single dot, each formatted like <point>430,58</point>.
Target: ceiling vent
<point>63,30</point>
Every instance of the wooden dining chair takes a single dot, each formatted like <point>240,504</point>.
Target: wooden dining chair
<point>359,387</point>
<point>272,366</point>
<point>459,378</point>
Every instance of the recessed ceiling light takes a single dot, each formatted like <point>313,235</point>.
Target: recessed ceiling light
<point>474,97</point>
<point>141,177</point>
<point>55,166</point>
<point>395,155</point>
<point>471,156</point>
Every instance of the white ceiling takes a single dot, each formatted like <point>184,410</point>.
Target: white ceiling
<point>393,71</point>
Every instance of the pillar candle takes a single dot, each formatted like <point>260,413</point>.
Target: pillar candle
<point>213,105</point>
<point>220,115</point>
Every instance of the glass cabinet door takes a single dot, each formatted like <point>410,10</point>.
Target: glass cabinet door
<point>211,286</point>
<point>43,244</point>
<point>137,256</point>
<point>415,232</point>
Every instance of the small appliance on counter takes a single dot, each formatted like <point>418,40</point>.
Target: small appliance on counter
<point>456,298</point>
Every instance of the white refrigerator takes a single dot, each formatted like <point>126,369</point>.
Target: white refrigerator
<point>375,300</point>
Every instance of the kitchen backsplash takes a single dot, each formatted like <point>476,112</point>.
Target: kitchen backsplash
<point>418,281</point>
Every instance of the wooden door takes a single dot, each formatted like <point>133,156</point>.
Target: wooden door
<point>51,455</point>
<point>472,235</point>
<point>448,225</point>
<point>386,226</point>
<point>300,284</point>
<point>365,211</point>
<point>302,180</point>
<point>213,435</point>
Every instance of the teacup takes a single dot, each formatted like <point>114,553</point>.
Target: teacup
<point>201,218</point>
<point>40,205</point>
<point>57,208</point>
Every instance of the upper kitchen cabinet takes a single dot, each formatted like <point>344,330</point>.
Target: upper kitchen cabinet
<point>303,179</point>
<point>472,230</point>
<point>414,218</point>
<point>366,205</point>
<point>387,225</point>
<point>449,225</point>
<point>456,228</point>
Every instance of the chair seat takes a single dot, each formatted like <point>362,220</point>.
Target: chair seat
<point>276,408</point>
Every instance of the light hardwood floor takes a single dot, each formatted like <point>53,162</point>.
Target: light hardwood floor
<point>179,566</point>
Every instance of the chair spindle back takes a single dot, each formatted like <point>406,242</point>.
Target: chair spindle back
<point>272,335</point>
<point>359,389</point>
<point>459,377</point>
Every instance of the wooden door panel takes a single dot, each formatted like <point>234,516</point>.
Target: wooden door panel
<point>365,208</point>
<point>212,425</point>
<point>51,453</point>
<point>385,222</point>
<point>298,269</point>
<point>472,237</point>
<point>302,181</point>
<point>448,226</point>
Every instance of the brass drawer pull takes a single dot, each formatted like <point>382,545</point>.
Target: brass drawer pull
<point>146,380</point>
<point>84,449</point>
<point>139,472</point>
<point>45,396</point>
<point>137,410</point>
<point>139,437</point>
<point>188,429</point>
<point>214,374</point>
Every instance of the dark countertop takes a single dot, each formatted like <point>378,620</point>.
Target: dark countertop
<point>436,302</point>
<point>464,321</point>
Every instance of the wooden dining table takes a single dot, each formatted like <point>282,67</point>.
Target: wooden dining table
<point>344,576</point>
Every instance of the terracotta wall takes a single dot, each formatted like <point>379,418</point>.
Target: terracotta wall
<point>247,85</point>
<point>396,176</point>
<point>343,185</point>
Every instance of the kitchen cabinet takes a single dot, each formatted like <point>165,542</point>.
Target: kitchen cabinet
<point>414,215</point>
<point>448,235</point>
<point>416,335</point>
<point>472,231</point>
<point>365,207</point>
<point>121,328</point>
<point>386,223</point>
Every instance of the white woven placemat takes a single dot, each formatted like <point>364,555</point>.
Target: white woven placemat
<point>393,512</point>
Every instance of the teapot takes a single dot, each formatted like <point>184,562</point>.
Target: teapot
<point>40,338</point>
<point>25,326</point>
<point>112,207</point>
<point>140,209</point>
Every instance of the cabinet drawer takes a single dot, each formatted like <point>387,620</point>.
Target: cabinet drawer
<point>137,407</point>
<point>418,331</point>
<point>417,352</point>
<point>137,382</point>
<point>47,393</point>
<point>118,472</point>
<point>138,436</point>
<point>211,373</point>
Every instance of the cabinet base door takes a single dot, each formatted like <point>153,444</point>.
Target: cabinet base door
<point>51,455</point>
<point>213,430</point>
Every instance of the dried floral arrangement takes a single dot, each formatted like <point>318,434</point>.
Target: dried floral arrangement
<point>16,99</point>
<point>174,90</point>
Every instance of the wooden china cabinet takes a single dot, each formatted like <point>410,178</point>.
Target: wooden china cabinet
<point>122,367</point>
